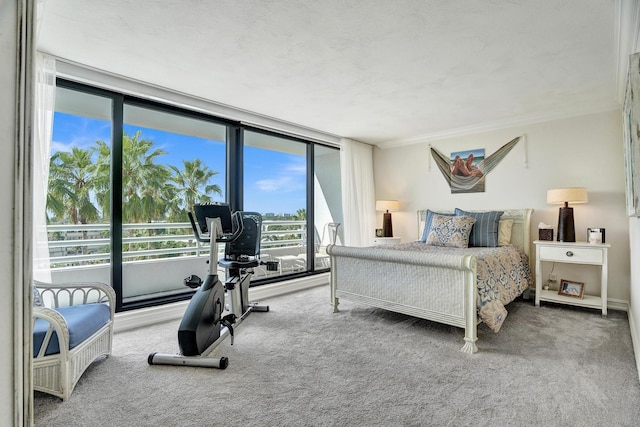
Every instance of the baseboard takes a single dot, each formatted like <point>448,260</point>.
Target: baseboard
<point>148,316</point>
<point>617,304</point>
<point>634,339</point>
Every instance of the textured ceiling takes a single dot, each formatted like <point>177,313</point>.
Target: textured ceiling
<point>377,71</point>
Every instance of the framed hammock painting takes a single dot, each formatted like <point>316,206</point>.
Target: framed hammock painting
<point>631,116</point>
<point>466,164</point>
<point>465,171</point>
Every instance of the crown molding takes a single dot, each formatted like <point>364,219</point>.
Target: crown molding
<point>500,125</point>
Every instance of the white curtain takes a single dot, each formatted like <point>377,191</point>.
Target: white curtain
<point>358,192</point>
<point>44,106</point>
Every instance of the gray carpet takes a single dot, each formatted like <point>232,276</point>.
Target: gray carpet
<point>302,365</point>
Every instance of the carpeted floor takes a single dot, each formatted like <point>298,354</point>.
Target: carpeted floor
<point>302,365</point>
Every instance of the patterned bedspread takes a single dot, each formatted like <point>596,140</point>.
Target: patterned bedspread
<point>503,274</point>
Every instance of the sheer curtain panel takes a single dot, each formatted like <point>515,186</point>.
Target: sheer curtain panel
<point>358,192</point>
<point>44,105</point>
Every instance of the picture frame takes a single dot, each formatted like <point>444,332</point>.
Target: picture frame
<point>596,235</point>
<point>379,232</point>
<point>631,118</point>
<point>471,160</point>
<point>572,289</point>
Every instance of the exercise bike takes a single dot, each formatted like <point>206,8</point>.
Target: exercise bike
<point>208,319</point>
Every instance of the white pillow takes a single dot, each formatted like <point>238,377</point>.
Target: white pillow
<point>504,232</point>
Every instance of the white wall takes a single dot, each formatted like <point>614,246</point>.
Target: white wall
<point>585,151</point>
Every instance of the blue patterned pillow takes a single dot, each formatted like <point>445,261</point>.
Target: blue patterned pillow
<point>485,230</point>
<point>427,223</point>
<point>451,231</point>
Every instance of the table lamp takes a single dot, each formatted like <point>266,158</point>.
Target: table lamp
<point>386,206</point>
<point>564,196</point>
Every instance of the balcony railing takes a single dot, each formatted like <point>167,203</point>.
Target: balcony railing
<point>158,256</point>
<point>82,244</point>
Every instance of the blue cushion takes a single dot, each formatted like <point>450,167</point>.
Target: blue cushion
<point>427,223</point>
<point>82,320</point>
<point>485,230</point>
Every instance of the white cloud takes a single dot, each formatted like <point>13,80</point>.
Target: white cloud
<point>289,178</point>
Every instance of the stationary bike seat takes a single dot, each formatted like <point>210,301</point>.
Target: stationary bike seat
<point>238,263</point>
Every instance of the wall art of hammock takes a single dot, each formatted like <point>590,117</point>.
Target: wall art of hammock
<point>459,180</point>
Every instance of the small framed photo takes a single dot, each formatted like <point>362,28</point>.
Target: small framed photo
<point>379,232</point>
<point>595,235</point>
<point>571,289</point>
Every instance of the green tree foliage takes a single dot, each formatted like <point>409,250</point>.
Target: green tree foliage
<point>80,189</point>
<point>192,186</point>
<point>72,181</point>
<point>300,215</point>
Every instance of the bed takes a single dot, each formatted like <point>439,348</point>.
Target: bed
<point>442,284</point>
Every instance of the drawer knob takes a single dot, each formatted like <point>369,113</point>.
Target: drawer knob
<point>569,253</point>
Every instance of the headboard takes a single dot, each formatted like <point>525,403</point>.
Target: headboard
<point>520,234</point>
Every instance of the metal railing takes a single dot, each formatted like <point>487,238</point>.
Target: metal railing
<point>89,244</point>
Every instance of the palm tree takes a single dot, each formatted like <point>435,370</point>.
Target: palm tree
<point>70,188</point>
<point>300,215</point>
<point>192,183</point>
<point>71,183</point>
<point>102,178</point>
<point>145,184</point>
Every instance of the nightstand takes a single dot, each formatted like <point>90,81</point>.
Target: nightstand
<point>384,241</point>
<point>573,253</point>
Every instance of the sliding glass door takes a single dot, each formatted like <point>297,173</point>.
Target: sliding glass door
<point>275,185</point>
<point>78,214</point>
<point>169,163</point>
<point>125,171</point>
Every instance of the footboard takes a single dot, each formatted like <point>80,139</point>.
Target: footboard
<point>437,287</point>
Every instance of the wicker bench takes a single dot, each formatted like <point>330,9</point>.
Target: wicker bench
<point>72,327</point>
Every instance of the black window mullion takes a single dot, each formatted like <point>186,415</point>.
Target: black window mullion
<point>235,164</point>
<point>116,199</point>
<point>311,244</point>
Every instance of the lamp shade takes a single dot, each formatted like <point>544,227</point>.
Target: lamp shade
<point>387,205</point>
<point>573,195</point>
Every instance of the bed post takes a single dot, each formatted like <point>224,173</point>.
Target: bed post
<point>332,280</point>
<point>470,307</point>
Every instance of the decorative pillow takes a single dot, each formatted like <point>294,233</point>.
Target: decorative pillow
<point>451,231</point>
<point>504,232</point>
<point>37,298</point>
<point>485,230</point>
<point>427,223</point>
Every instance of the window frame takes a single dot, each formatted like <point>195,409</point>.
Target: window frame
<point>234,191</point>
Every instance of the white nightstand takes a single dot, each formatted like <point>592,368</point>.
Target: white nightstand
<point>573,253</point>
<point>383,241</point>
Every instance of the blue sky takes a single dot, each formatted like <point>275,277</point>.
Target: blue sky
<point>273,181</point>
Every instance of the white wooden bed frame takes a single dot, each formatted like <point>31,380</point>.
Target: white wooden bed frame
<point>395,280</point>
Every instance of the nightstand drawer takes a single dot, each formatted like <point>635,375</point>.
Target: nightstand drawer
<point>577,255</point>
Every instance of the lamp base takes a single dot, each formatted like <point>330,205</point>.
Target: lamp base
<point>387,228</point>
<point>566,229</point>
